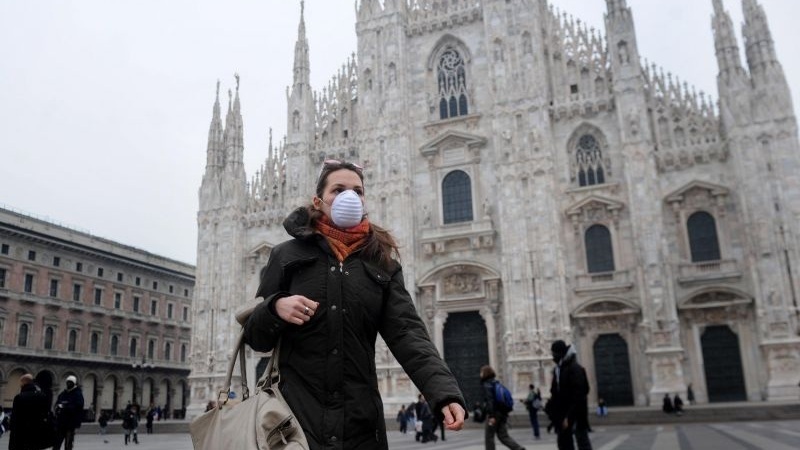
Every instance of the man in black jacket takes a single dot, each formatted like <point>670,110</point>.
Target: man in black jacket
<point>568,407</point>
<point>29,417</point>
<point>69,413</point>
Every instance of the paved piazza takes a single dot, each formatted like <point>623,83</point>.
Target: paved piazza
<point>774,435</point>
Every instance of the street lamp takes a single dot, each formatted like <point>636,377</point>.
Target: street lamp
<point>140,367</point>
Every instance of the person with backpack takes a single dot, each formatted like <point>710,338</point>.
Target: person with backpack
<point>533,403</point>
<point>498,403</point>
<point>568,406</point>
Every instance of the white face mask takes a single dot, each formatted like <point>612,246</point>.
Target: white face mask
<point>347,209</point>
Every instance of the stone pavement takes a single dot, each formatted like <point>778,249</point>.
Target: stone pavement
<point>769,435</point>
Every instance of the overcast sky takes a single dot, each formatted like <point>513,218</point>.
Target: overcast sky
<point>105,104</point>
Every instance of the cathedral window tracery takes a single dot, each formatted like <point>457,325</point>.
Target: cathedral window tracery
<point>589,158</point>
<point>451,79</point>
<point>457,197</point>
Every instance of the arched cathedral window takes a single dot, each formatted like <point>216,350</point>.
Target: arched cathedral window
<point>599,251</point>
<point>589,158</point>
<point>457,197</point>
<point>703,240</point>
<point>451,77</point>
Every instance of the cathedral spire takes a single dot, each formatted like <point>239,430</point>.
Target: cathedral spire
<point>299,96</point>
<point>621,35</point>
<point>759,46</point>
<point>302,66</point>
<point>234,147</point>
<point>725,45</point>
<point>616,7</point>
<point>214,147</point>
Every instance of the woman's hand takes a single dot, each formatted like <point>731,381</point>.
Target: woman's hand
<point>453,416</point>
<point>295,309</point>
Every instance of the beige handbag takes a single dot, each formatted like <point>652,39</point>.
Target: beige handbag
<point>262,421</point>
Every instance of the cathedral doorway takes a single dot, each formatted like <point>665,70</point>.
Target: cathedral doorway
<point>613,370</point>
<point>722,360</point>
<point>466,349</point>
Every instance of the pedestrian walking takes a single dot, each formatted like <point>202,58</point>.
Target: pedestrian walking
<point>151,413</point>
<point>602,410</point>
<point>69,413</point>
<point>130,423</point>
<point>425,415</point>
<point>496,412</point>
<point>30,424</point>
<point>690,394</point>
<point>103,422</point>
<point>4,422</point>
<point>337,285</point>
<point>411,416</point>
<point>533,403</point>
<point>569,409</point>
<point>401,419</point>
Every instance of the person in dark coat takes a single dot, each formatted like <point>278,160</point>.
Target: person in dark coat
<point>666,405</point>
<point>401,419</point>
<point>569,405</point>
<point>677,403</point>
<point>496,417</point>
<point>130,423</point>
<point>426,416</point>
<point>690,394</point>
<point>150,415</point>
<point>69,413</point>
<point>28,417</point>
<point>328,293</point>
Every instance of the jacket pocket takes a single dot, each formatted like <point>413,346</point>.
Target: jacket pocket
<point>377,275</point>
<point>294,269</point>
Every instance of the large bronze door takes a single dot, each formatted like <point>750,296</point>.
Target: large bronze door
<point>723,365</point>
<point>466,349</point>
<point>613,370</point>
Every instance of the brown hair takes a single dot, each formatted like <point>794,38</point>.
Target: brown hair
<point>487,372</point>
<point>381,245</point>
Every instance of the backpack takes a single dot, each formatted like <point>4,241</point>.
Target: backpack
<point>502,397</point>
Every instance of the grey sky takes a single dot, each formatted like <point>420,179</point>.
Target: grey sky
<point>105,104</point>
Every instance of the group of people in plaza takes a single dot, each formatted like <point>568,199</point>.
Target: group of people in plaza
<point>33,425</point>
<point>418,418</point>
<point>567,408</point>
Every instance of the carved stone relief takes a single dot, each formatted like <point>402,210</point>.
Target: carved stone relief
<point>461,284</point>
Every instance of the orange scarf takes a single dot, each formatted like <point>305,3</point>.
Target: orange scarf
<point>343,242</point>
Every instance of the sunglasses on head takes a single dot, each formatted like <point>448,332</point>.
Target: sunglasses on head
<point>328,163</point>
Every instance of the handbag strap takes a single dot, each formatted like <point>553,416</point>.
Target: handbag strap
<point>239,351</point>
<point>272,374</point>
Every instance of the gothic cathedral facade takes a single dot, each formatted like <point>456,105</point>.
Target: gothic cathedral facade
<point>544,184</point>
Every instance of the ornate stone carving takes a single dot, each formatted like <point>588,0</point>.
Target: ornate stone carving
<point>462,283</point>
